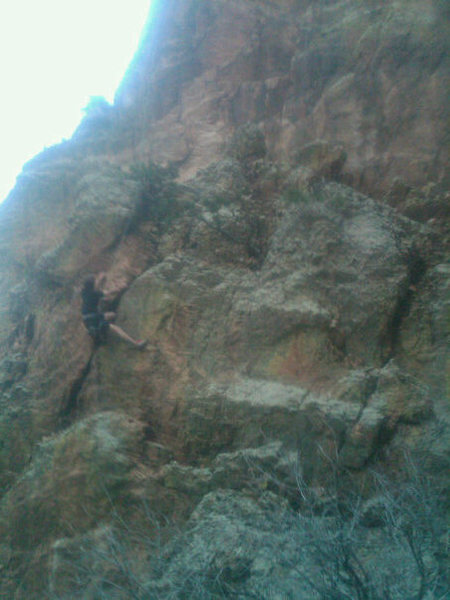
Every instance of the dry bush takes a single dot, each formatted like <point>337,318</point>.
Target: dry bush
<point>339,543</point>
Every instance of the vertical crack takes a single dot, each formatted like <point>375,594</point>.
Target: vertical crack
<point>67,413</point>
<point>416,270</point>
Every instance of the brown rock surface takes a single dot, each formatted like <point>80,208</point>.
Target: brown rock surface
<point>372,77</point>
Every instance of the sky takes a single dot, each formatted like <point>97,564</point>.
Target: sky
<point>55,55</point>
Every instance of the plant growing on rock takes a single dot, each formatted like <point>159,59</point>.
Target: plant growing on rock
<point>158,194</point>
<point>337,544</point>
<point>96,128</point>
<point>389,547</point>
<point>247,144</point>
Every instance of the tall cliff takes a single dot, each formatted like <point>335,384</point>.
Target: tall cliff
<point>268,197</point>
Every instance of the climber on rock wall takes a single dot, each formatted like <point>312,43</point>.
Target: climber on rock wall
<point>98,323</point>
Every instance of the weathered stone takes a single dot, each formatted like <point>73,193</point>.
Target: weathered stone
<point>365,77</point>
<point>195,482</point>
<point>323,159</point>
<point>86,466</point>
<point>105,205</point>
<point>401,397</point>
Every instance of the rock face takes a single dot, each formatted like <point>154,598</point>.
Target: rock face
<point>371,77</point>
<point>297,327</point>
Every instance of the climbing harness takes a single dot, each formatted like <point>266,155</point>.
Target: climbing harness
<point>97,326</point>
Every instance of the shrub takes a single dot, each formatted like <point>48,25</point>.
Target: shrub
<point>293,195</point>
<point>157,192</point>
<point>248,144</point>
<point>336,545</point>
<point>389,547</point>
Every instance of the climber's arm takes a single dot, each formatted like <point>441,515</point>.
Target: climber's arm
<point>112,294</point>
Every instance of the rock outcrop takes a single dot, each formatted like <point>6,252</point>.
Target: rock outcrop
<point>370,77</point>
<point>297,326</point>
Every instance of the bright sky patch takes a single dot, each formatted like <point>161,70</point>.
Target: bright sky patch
<point>54,55</point>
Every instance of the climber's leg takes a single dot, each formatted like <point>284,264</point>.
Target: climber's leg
<point>127,338</point>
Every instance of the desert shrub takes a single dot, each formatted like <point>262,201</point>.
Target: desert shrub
<point>388,547</point>
<point>309,193</point>
<point>13,367</point>
<point>339,543</point>
<point>294,195</point>
<point>108,564</point>
<point>97,125</point>
<point>247,144</point>
<point>157,193</point>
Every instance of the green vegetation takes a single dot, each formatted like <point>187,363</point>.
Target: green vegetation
<point>294,195</point>
<point>247,144</point>
<point>12,368</point>
<point>158,192</point>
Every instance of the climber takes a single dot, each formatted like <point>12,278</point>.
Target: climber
<point>97,322</point>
